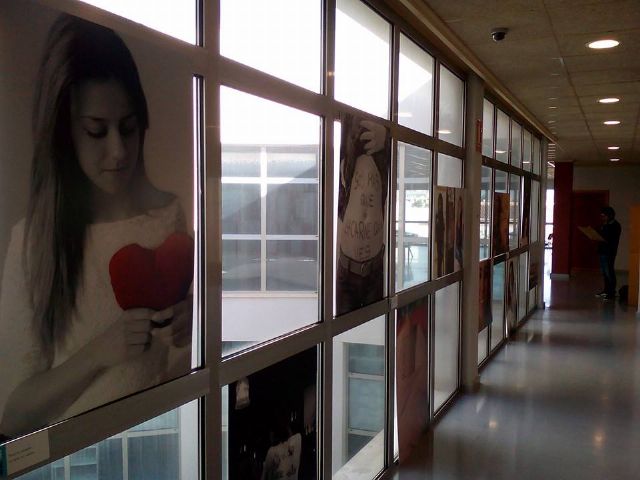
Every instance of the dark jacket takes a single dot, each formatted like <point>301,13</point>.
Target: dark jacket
<point>611,233</point>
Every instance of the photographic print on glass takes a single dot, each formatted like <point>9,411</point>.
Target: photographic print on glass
<point>500,233</point>
<point>272,421</point>
<point>96,233</point>
<point>485,316</point>
<point>362,213</point>
<point>412,369</point>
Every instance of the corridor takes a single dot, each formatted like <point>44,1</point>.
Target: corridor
<point>560,401</point>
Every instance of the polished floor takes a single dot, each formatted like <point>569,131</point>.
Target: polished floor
<point>560,401</point>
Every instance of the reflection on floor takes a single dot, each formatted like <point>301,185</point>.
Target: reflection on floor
<point>561,401</point>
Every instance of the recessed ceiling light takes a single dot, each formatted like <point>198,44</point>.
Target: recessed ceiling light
<point>612,122</point>
<point>444,132</point>
<point>614,159</point>
<point>609,100</point>
<point>606,43</point>
<point>551,106</point>
<point>613,148</point>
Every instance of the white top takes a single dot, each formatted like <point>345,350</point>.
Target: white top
<point>96,309</point>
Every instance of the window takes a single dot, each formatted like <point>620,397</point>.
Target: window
<point>485,212</point>
<point>412,215</point>
<point>359,399</point>
<point>270,218</point>
<point>497,305</point>
<point>280,38</point>
<point>446,340</point>
<point>362,58</point>
<point>502,137</point>
<point>163,448</point>
<point>514,211</point>
<point>415,87</point>
<point>516,144</point>
<point>451,111</point>
<point>487,128</point>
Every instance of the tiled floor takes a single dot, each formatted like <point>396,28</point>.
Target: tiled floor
<point>561,401</point>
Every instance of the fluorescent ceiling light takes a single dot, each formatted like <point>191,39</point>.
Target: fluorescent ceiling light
<point>609,100</point>
<point>612,122</point>
<point>613,148</point>
<point>444,132</point>
<point>501,151</point>
<point>552,106</point>
<point>614,159</point>
<point>606,43</point>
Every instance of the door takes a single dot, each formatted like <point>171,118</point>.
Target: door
<point>585,210</point>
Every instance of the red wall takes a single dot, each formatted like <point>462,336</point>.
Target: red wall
<point>563,189</point>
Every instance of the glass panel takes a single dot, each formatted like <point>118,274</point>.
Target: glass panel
<point>292,163</point>
<point>177,19</point>
<point>514,211</point>
<point>415,87</point>
<point>359,401</point>
<point>272,421</point>
<point>497,305</point>
<point>451,107</point>
<point>164,448</point>
<point>523,282</point>
<point>502,137</point>
<point>532,298</point>
<point>485,213</point>
<point>487,128</point>
<point>412,215</point>
<point>292,209</point>
<point>535,208</point>
<point>269,236</point>
<point>549,205</point>
<point>244,162</point>
<point>482,345</point>
<point>447,332</point>
<point>280,38</point>
<point>362,58</point>
<point>511,296</point>
<point>516,144</point>
<point>526,150</point>
<point>536,160</point>
<point>449,171</point>
<point>502,182</point>
<point>292,265</point>
<point>241,265</point>
<point>240,208</point>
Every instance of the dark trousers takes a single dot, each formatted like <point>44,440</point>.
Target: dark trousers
<point>607,263</point>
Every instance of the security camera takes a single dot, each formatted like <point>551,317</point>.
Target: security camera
<point>498,34</point>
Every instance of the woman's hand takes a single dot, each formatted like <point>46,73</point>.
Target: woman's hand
<point>375,136</point>
<point>127,338</point>
<point>178,331</point>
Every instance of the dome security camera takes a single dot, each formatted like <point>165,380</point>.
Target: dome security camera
<point>499,33</point>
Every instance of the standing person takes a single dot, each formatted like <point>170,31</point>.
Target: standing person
<point>66,344</point>
<point>607,249</point>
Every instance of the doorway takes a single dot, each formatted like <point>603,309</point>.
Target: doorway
<point>585,211</point>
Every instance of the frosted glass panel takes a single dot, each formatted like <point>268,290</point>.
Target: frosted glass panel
<point>516,144</point>
<point>487,128</point>
<point>451,112</point>
<point>362,58</point>
<point>177,19</point>
<point>415,87</point>
<point>447,332</point>
<point>502,137</point>
<point>523,285</point>
<point>281,38</point>
<point>449,171</point>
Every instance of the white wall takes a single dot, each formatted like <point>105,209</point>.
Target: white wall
<point>623,183</point>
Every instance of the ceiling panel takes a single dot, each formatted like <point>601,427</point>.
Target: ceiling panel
<point>544,61</point>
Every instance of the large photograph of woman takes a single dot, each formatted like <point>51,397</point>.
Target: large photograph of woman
<point>95,300</point>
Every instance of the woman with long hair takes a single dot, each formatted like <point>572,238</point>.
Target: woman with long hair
<point>66,345</point>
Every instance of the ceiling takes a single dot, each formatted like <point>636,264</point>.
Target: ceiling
<point>545,63</point>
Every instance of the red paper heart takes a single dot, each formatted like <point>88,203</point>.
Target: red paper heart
<point>156,279</point>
